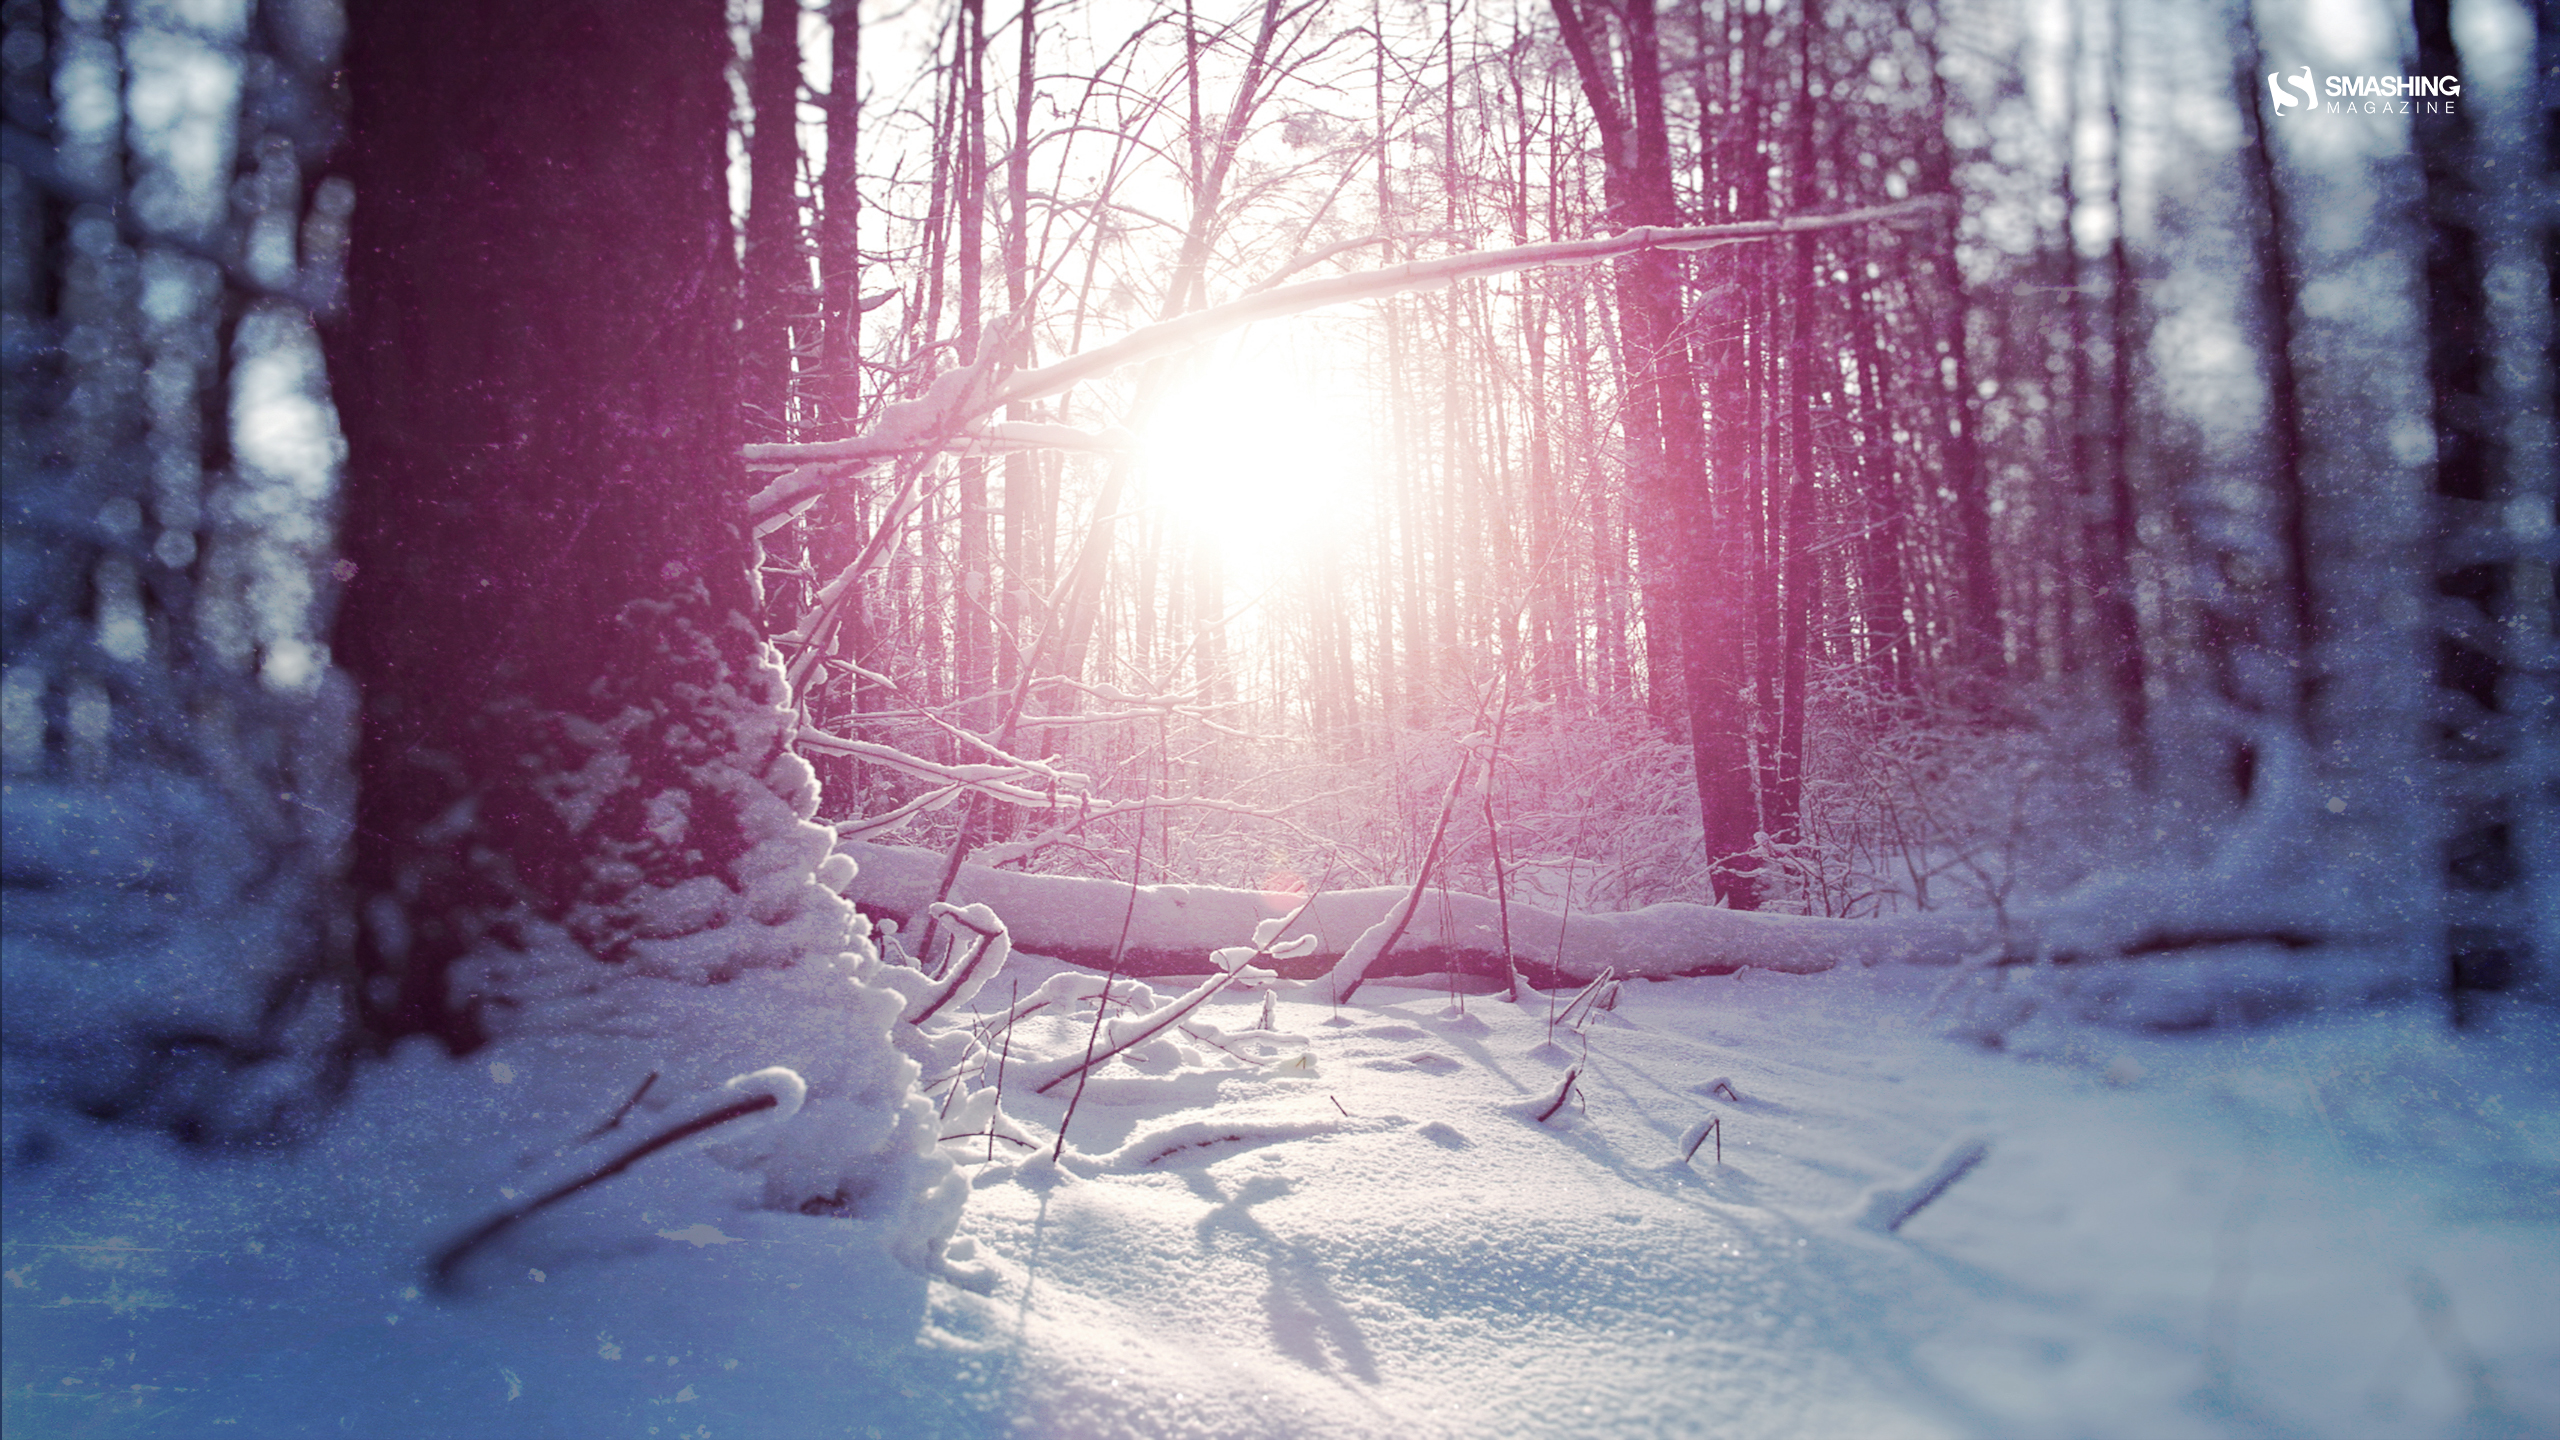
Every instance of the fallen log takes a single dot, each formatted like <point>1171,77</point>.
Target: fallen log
<point>1173,928</point>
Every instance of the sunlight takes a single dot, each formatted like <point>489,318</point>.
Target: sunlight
<point>1262,445</point>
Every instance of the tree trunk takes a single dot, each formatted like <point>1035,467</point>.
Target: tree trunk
<point>1687,583</point>
<point>1795,537</point>
<point>839,219</point>
<point>578,805</point>
<point>565,709</point>
<point>2112,545</point>
<point>1979,643</point>
<point>2297,605</point>
<point>2489,590</point>
<point>774,270</point>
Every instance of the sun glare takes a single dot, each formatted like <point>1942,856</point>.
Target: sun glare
<point>1260,445</point>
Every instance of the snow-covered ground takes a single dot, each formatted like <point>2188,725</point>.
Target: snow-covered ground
<point>2344,1226</point>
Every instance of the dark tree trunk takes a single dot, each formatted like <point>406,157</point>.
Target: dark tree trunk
<point>839,218</point>
<point>2481,608</point>
<point>547,595</point>
<point>973,593</point>
<point>2119,621</point>
<point>1691,580</point>
<point>2289,519</point>
<point>1804,364</point>
<point>1976,621</point>
<point>1027,522</point>
<point>836,401</point>
<point>775,273</point>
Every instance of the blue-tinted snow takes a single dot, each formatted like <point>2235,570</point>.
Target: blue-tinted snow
<point>2345,1226</point>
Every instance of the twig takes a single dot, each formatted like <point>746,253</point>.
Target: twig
<point>1564,912</point>
<point>993,1135</point>
<point>1413,898</point>
<point>441,1270</point>
<point>1174,1012</point>
<point>1562,1092</point>
<point>1214,1045</point>
<point>615,1119</point>
<point>1889,1208</point>
<point>1137,871</point>
<point>1001,1056</point>
<point>1585,993</point>
<point>1493,839</point>
<point>962,969</point>
<point>1698,1137</point>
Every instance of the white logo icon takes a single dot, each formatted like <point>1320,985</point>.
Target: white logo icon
<point>2276,81</point>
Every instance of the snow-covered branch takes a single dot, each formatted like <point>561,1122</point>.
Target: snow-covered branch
<point>949,415</point>
<point>1172,336</point>
<point>1016,781</point>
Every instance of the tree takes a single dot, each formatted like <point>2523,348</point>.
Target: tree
<point>576,788</point>
<point>2492,607</point>
<point>775,269</point>
<point>1666,439</point>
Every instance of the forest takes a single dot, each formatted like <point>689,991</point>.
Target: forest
<point>866,567</point>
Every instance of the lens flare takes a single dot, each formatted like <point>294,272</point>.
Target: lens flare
<point>1262,447</point>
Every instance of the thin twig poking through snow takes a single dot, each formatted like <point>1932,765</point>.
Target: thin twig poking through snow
<point>1713,1125</point>
<point>1584,1000</point>
<point>1563,1093</point>
<point>775,1088</point>
<point>1355,963</point>
<point>1889,1207</point>
<point>1493,846</point>
<point>614,1120</point>
<point>1119,947</point>
<point>1147,1027</point>
<point>1002,1055</point>
<point>989,953</point>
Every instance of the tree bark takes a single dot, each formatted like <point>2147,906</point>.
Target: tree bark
<point>564,713</point>
<point>1666,445</point>
<point>774,269</point>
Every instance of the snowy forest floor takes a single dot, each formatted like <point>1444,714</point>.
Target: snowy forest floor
<point>2343,1226</point>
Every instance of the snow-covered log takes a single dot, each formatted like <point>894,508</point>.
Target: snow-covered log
<point>1173,929</point>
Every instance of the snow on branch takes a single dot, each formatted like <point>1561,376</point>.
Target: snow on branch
<point>1137,1030</point>
<point>1184,332</point>
<point>950,414</point>
<point>973,970</point>
<point>1889,1207</point>
<point>1023,782</point>
<point>1001,437</point>
<point>1075,918</point>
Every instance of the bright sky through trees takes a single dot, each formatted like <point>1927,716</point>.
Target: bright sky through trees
<point>1263,446</point>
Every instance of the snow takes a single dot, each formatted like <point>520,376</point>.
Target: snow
<point>2348,1225</point>
<point>1182,924</point>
